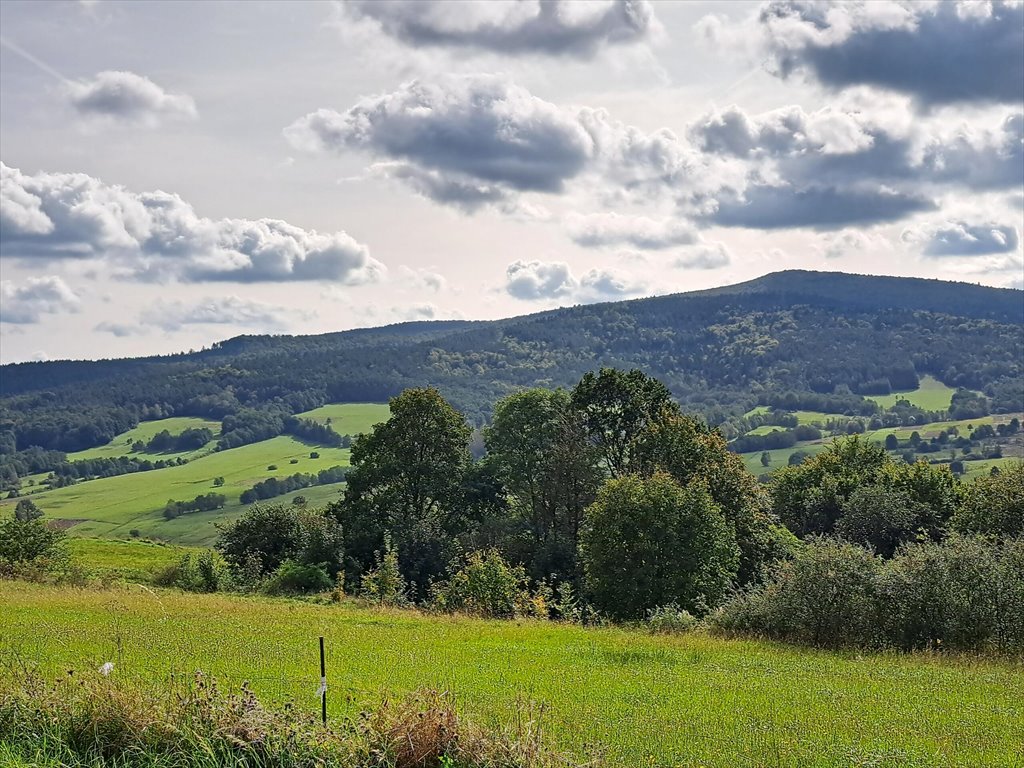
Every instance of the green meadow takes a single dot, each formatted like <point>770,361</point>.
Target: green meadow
<point>122,444</point>
<point>132,560</point>
<point>932,429</point>
<point>113,507</point>
<point>931,395</point>
<point>779,457</point>
<point>633,698</point>
<point>349,418</point>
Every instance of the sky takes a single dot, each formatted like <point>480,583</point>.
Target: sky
<point>178,173</point>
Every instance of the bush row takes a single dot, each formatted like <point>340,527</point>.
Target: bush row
<point>964,594</point>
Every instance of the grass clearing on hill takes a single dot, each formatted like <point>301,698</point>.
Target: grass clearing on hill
<point>932,429</point>
<point>121,445</point>
<point>931,395</point>
<point>349,418</point>
<point>112,506</point>
<point>638,699</point>
<point>779,457</point>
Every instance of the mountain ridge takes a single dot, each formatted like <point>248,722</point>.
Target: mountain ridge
<point>720,350</point>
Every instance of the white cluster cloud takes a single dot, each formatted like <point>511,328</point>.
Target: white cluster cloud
<point>461,140</point>
<point>551,27</point>
<point>26,302</point>
<point>472,141</point>
<point>545,280</point>
<point>849,165</point>
<point>539,279</point>
<point>127,98</point>
<point>157,236</point>
<point>477,141</point>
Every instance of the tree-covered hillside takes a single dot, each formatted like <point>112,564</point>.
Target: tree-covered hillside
<point>824,338</point>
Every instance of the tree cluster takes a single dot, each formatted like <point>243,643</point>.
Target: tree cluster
<point>572,486</point>
<point>278,486</point>
<point>191,439</point>
<point>204,502</point>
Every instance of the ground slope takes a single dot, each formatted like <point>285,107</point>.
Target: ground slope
<point>638,699</point>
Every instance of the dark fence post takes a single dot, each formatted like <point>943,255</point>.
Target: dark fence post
<point>323,684</point>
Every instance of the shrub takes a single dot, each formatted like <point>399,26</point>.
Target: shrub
<point>205,572</point>
<point>964,594</point>
<point>263,538</point>
<point>824,597</point>
<point>487,586</point>
<point>650,542</point>
<point>670,619</point>
<point>31,544</point>
<point>294,578</point>
<point>384,583</point>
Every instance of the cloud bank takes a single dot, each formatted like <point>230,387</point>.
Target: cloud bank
<point>28,302</point>
<point>939,53</point>
<point>158,236</point>
<point>551,27</point>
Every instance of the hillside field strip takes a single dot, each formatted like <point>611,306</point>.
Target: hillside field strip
<point>122,444</point>
<point>637,699</point>
<point>114,506</point>
<point>348,418</point>
<point>931,395</point>
<point>132,560</point>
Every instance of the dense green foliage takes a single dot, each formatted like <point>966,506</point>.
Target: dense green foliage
<point>486,585</point>
<point>994,505</point>
<point>854,488</point>
<point>27,542</point>
<point>406,482</point>
<point>266,537</point>
<point>962,594</point>
<point>651,542</point>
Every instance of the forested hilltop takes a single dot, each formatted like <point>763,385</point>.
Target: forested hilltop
<point>795,339</point>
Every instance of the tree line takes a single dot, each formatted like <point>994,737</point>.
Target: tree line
<point>720,352</point>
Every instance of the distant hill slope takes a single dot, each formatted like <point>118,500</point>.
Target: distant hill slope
<point>721,351</point>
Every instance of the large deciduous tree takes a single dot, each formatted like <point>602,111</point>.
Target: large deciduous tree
<point>537,446</point>
<point>407,482</point>
<point>649,542</point>
<point>693,453</point>
<point>617,408</point>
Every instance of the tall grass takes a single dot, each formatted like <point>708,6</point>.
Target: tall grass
<point>637,699</point>
<point>102,723</point>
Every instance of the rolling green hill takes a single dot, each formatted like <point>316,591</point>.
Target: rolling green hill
<point>721,352</point>
<point>115,506</point>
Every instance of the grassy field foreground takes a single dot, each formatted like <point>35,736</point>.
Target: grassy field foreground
<point>636,699</point>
